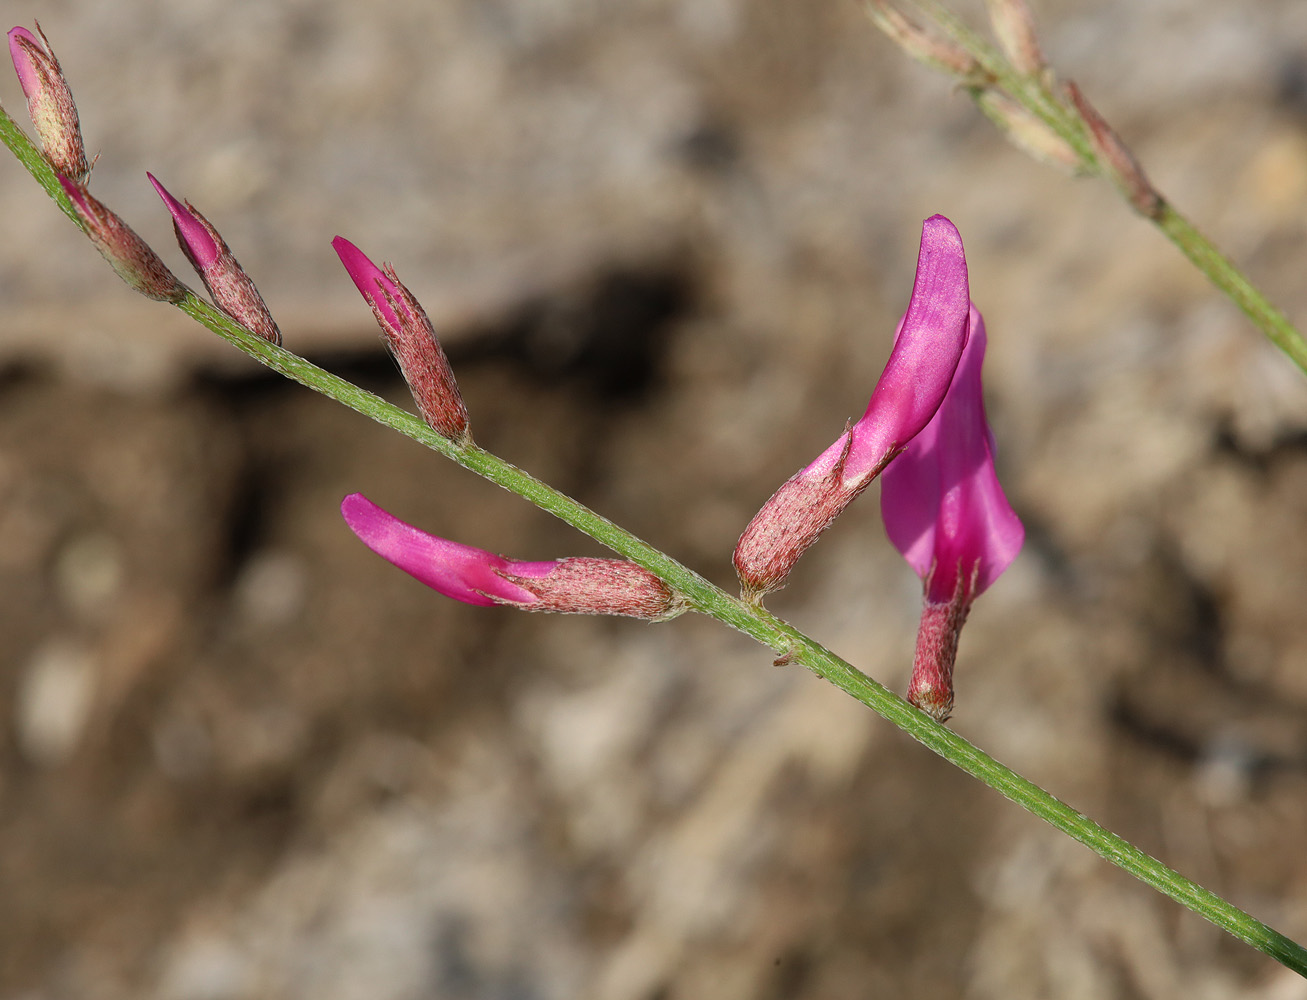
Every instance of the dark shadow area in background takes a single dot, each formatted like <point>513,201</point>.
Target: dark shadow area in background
<point>603,343</point>
<point>607,338</point>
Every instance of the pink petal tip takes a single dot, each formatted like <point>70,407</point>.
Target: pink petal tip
<point>203,247</point>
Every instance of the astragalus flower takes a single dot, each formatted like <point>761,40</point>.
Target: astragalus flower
<point>579,585</point>
<point>928,345</point>
<point>412,340</point>
<point>232,290</point>
<point>946,512</point>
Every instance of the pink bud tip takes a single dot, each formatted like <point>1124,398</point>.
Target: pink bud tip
<point>371,281</point>
<point>28,77</point>
<point>190,231</point>
<point>459,571</point>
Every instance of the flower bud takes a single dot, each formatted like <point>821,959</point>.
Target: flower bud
<point>49,103</point>
<point>945,510</point>
<point>232,290</point>
<point>1118,163</point>
<point>129,255</point>
<point>1028,132</point>
<point>926,350</point>
<point>412,340</point>
<point>920,44</point>
<point>474,576</point>
<point>1014,27</point>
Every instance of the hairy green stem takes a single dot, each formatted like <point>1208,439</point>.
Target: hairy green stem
<point>30,157</point>
<point>709,599</point>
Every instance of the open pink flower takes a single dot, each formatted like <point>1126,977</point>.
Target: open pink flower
<point>49,103</point>
<point>946,512</point>
<point>232,290</point>
<point>411,339</point>
<point>474,576</point>
<point>929,343</point>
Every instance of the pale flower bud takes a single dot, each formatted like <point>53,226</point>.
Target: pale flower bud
<point>49,103</point>
<point>920,44</point>
<point>1014,27</point>
<point>1029,133</point>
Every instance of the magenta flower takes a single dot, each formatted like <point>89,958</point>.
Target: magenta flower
<point>946,512</point>
<point>412,340</point>
<point>232,290</point>
<point>926,350</point>
<point>133,259</point>
<point>474,576</point>
<point>49,103</point>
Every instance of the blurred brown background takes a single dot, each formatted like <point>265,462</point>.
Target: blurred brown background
<point>666,242</point>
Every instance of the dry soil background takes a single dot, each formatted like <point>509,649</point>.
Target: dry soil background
<point>666,242</point>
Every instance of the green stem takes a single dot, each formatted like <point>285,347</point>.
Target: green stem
<point>1229,279</point>
<point>1052,810</point>
<point>1039,100</point>
<point>30,157</point>
<point>753,620</point>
